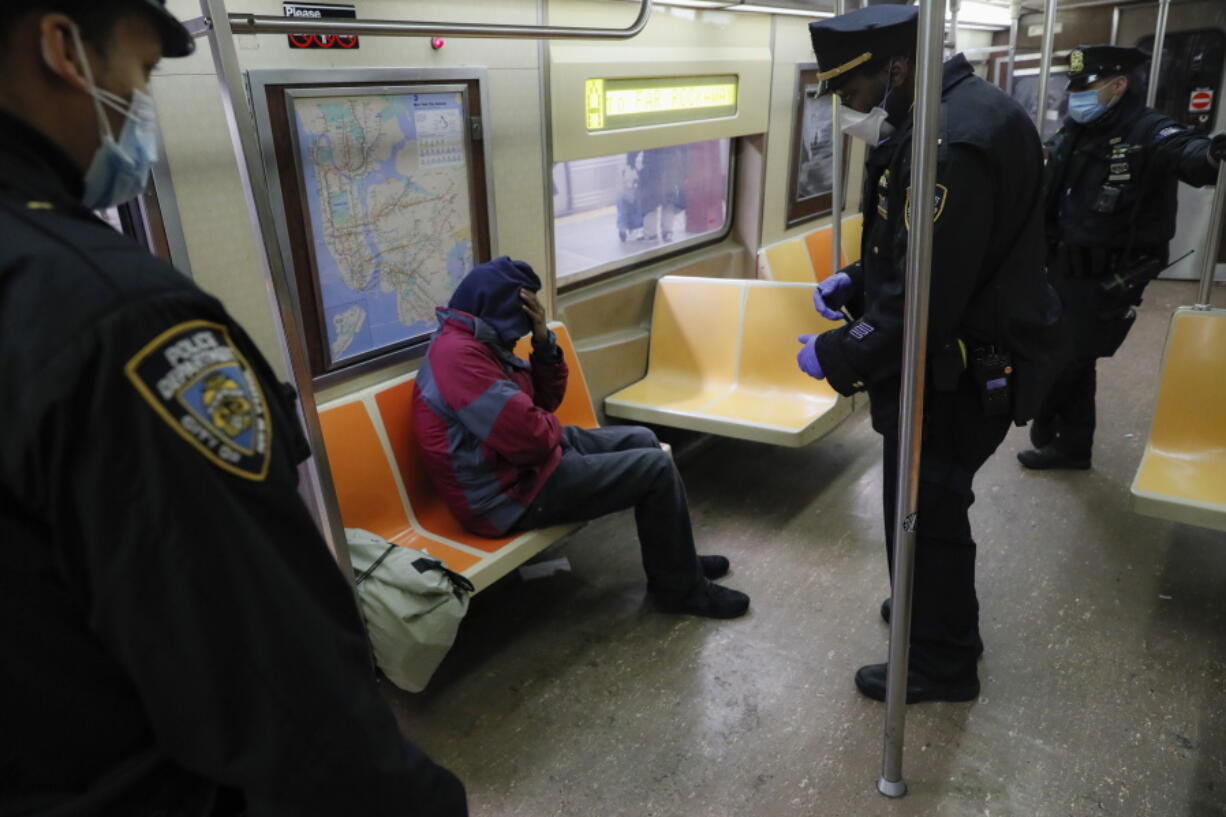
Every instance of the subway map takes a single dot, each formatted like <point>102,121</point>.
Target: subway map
<point>386,179</point>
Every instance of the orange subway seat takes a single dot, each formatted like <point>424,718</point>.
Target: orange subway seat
<point>821,251</point>
<point>365,487</point>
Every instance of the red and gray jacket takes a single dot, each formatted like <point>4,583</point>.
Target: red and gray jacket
<point>485,423</point>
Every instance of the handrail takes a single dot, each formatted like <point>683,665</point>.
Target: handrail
<point>931,36</point>
<point>247,23</point>
<point>1213,236</point>
<point>837,160</point>
<point>1049,38</point>
<point>1155,59</point>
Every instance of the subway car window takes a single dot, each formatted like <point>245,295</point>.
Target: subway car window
<point>613,211</point>
<point>1026,92</point>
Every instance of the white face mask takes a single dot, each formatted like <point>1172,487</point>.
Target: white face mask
<point>120,168</point>
<point>869,127</point>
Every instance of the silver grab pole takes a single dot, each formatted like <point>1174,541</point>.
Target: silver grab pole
<point>1213,236</point>
<point>317,484</point>
<point>836,161</point>
<point>1013,31</point>
<point>914,362</point>
<point>1049,38</point>
<point>247,23</point>
<point>954,7</point>
<point>1155,61</point>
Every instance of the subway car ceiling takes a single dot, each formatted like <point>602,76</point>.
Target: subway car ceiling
<point>707,115</point>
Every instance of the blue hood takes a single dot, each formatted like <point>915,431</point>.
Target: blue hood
<point>491,292</point>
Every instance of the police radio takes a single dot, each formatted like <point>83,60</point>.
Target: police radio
<point>993,373</point>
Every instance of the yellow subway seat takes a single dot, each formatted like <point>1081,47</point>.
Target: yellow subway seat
<point>1182,475</point>
<point>852,232</point>
<point>766,398</point>
<point>789,261</point>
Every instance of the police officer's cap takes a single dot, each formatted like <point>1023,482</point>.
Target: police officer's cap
<point>1089,63</point>
<point>176,40</point>
<point>867,36</point>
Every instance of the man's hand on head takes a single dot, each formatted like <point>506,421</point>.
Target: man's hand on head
<point>536,313</point>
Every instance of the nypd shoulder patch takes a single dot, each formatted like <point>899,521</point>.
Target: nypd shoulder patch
<point>938,205</point>
<point>1165,132</point>
<point>197,380</point>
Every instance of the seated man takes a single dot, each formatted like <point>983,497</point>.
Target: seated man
<point>502,462</point>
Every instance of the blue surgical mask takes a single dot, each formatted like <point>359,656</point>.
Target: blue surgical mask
<point>120,167</point>
<point>1084,107</point>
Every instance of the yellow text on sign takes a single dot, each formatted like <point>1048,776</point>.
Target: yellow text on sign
<point>594,92</point>
<point>660,100</point>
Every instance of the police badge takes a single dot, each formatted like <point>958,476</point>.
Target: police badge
<point>1076,61</point>
<point>201,385</point>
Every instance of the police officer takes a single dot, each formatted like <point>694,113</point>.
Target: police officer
<point>992,315</point>
<point>176,638</point>
<point>1112,179</point>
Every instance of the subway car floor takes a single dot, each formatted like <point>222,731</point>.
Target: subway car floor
<point>1104,677</point>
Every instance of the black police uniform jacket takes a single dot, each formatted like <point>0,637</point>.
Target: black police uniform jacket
<point>988,284</point>
<point>1112,184</point>
<point>176,638</point>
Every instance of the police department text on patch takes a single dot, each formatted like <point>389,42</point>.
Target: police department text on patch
<point>200,384</point>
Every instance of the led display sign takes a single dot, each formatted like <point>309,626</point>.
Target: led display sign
<point>616,104</point>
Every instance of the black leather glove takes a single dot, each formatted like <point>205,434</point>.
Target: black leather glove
<point>1217,147</point>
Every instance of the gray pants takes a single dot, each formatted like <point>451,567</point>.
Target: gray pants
<point>610,469</point>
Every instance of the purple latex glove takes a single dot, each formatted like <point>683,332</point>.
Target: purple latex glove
<point>832,294</point>
<point>807,358</point>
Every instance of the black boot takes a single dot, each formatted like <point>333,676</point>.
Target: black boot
<point>708,600</point>
<point>870,680</point>
<point>888,605</point>
<point>1051,458</point>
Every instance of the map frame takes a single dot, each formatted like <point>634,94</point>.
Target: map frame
<point>274,93</point>
<point>803,205</point>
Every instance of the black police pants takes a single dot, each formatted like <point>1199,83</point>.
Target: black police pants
<point>610,469</point>
<point>958,439</point>
<point>1098,324</point>
<point>1068,416</point>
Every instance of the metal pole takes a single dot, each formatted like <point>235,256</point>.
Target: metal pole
<point>317,483</point>
<point>836,161</point>
<point>1049,38</point>
<point>1013,29</point>
<point>1115,25</point>
<point>247,23</point>
<point>952,43</point>
<point>911,408</point>
<point>1208,260</point>
<point>1155,61</point>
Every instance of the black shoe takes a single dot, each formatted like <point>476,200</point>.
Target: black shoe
<point>888,605</point>
<point>870,680</point>
<point>622,234</point>
<point>1050,457</point>
<point>714,567</point>
<point>708,600</point>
